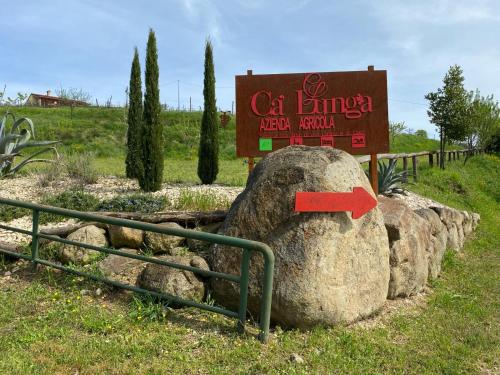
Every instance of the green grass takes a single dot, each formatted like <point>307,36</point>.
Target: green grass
<point>46,327</point>
<point>102,131</point>
<point>203,201</point>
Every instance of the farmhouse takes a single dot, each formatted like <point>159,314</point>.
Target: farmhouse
<point>48,100</point>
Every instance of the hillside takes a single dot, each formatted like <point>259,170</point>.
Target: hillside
<point>102,131</point>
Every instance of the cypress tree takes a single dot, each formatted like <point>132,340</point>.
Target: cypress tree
<point>152,138</point>
<point>208,153</point>
<point>133,161</point>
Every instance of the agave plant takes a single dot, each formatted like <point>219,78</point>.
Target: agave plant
<point>15,140</point>
<point>389,181</point>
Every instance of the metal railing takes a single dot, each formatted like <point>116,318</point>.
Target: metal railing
<point>246,245</point>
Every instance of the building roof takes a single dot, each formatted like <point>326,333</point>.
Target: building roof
<point>57,98</point>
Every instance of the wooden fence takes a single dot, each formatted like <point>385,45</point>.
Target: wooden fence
<point>451,155</point>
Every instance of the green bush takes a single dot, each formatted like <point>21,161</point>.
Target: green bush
<point>145,203</point>
<point>8,213</point>
<point>73,199</point>
<point>80,168</point>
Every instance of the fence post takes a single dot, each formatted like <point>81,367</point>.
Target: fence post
<point>431,159</point>
<point>374,173</point>
<point>251,164</point>
<point>242,311</point>
<point>405,169</point>
<point>449,156</point>
<point>458,155</point>
<point>414,165</point>
<point>34,238</point>
<point>437,159</point>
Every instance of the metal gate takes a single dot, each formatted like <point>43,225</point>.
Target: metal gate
<point>246,245</point>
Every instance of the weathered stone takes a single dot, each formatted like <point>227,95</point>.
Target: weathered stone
<point>409,240</point>
<point>437,247</point>
<point>123,266</point>
<point>328,267</point>
<point>202,246</point>
<point>125,237</point>
<point>163,243</point>
<point>179,283</point>
<point>90,235</point>
<point>453,220</point>
<point>476,218</point>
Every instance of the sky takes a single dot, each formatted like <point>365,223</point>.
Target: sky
<point>88,45</point>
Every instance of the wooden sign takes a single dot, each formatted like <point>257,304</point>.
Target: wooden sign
<point>345,110</point>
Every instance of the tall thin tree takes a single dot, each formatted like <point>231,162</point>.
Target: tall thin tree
<point>152,138</point>
<point>133,162</point>
<point>208,153</point>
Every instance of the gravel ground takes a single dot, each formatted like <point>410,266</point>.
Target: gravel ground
<point>27,188</point>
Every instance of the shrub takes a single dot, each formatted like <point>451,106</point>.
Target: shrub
<point>146,203</point>
<point>51,174</point>
<point>80,167</point>
<point>8,213</point>
<point>74,199</point>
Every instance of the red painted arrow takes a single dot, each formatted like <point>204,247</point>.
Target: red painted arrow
<point>359,202</point>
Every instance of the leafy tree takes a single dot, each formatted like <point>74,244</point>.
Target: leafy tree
<point>395,129</point>
<point>448,109</point>
<point>208,153</point>
<point>483,121</point>
<point>152,139</point>
<point>133,162</point>
<point>421,133</point>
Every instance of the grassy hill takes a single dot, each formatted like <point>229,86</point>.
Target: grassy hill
<point>102,131</point>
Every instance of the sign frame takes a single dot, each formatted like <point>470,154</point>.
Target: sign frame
<point>345,110</point>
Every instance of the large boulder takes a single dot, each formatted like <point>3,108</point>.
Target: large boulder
<point>439,236</point>
<point>328,267</point>
<point>90,235</point>
<point>409,240</point>
<point>163,243</point>
<point>125,237</point>
<point>173,281</point>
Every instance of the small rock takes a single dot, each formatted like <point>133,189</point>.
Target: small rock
<point>125,237</point>
<point>84,292</point>
<point>294,357</point>
<point>98,292</point>
<point>7,273</point>
<point>163,243</point>
<point>180,283</point>
<point>91,235</point>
